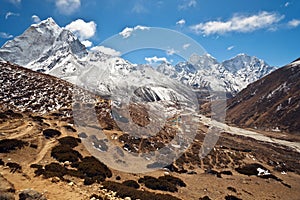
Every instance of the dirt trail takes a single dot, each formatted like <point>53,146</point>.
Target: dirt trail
<point>247,133</point>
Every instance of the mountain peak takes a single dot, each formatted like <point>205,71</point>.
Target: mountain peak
<point>47,24</point>
<point>242,61</point>
<point>51,43</point>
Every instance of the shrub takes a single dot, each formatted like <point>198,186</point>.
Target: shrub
<point>158,184</point>
<point>125,191</point>
<point>14,166</point>
<point>70,128</point>
<point>89,181</point>
<point>50,133</point>
<point>93,168</point>
<point>174,180</point>
<point>34,146</point>
<point>37,166</point>
<point>54,170</point>
<point>64,153</point>
<point>231,189</point>
<point>70,141</point>
<point>231,197</point>
<point>249,169</point>
<point>132,184</point>
<point>204,198</point>
<point>8,145</point>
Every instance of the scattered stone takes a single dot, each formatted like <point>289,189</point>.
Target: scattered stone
<point>71,183</point>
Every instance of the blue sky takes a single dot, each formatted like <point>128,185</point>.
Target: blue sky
<point>266,29</point>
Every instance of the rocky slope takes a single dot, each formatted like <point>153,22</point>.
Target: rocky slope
<point>272,102</point>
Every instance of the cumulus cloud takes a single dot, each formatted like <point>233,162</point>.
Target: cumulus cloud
<point>67,7</point>
<point>83,30</point>
<point>106,50</point>
<point>185,46</point>
<point>180,22</point>
<point>238,23</point>
<point>35,19</point>
<point>5,35</point>
<point>230,48</point>
<point>155,59</point>
<point>87,43</point>
<point>8,14</point>
<point>294,23</point>
<point>187,4</point>
<point>127,32</point>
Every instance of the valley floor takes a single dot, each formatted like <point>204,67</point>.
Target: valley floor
<point>217,176</point>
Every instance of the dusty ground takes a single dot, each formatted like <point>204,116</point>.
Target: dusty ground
<point>199,184</point>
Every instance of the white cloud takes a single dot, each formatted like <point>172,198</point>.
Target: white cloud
<point>181,22</point>
<point>35,19</point>
<point>294,23</point>
<point>83,30</point>
<point>287,4</point>
<point>230,48</point>
<point>185,46</point>
<point>5,35</point>
<point>8,14</point>
<point>16,2</point>
<point>187,4</point>
<point>106,50</point>
<point>170,52</point>
<point>155,59</point>
<point>67,7</point>
<point>87,43</point>
<point>126,32</point>
<point>238,23</point>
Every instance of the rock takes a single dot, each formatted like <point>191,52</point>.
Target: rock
<point>67,163</point>
<point>71,183</point>
<point>29,194</point>
<point>127,198</point>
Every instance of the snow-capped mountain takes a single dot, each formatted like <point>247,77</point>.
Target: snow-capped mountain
<point>231,75</point>
<point>50,49</point>
<point>43,47</point>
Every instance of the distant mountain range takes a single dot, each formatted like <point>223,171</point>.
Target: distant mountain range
<point>48,48</point>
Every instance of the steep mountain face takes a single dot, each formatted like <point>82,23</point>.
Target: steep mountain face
<point>272,102</point>
<point>48,48</point>
<point>232,75</point>
<point>43,46</point>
